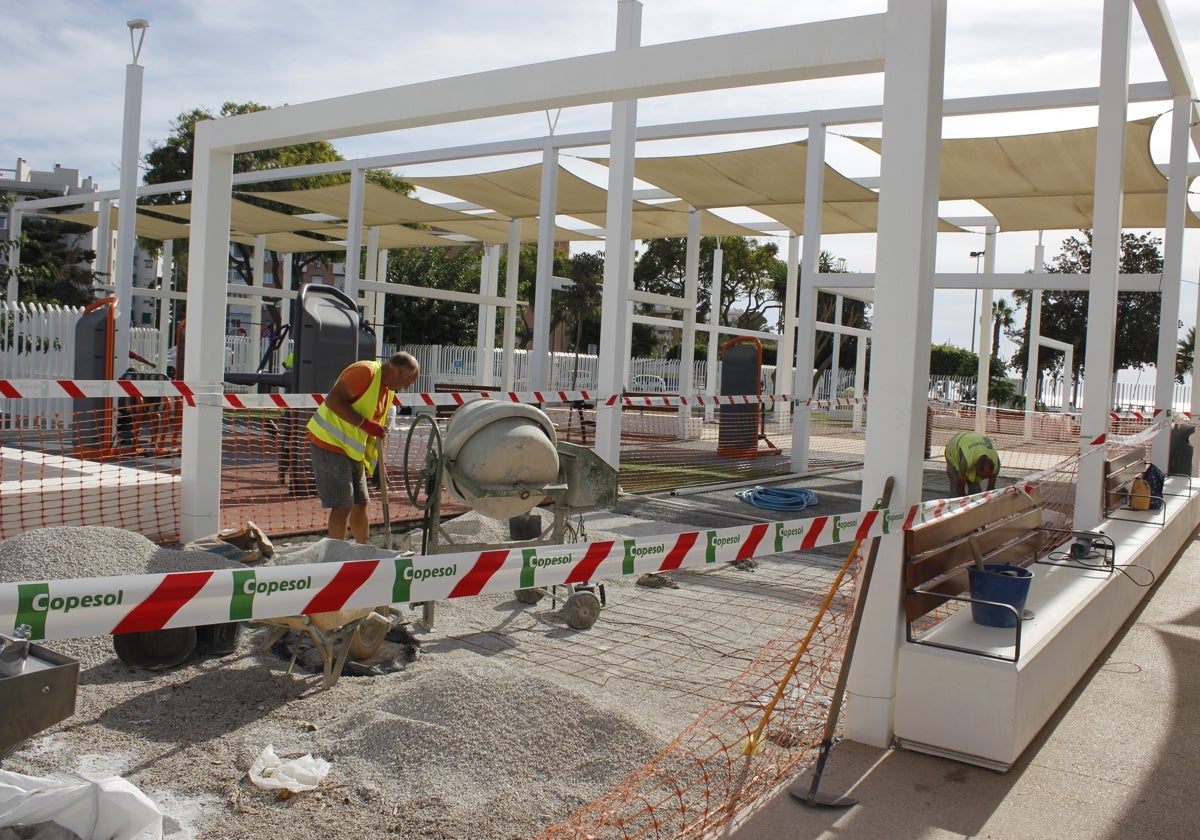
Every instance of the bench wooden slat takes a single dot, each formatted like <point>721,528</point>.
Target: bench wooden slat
<point>929,535</point>
<point>993,544</point>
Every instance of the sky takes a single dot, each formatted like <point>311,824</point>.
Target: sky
<point>64,99</point>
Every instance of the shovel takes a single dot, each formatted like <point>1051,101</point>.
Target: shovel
<point>812,797</point>
<point>383,495</point>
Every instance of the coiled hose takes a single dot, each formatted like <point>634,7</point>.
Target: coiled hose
<point>775,498</point>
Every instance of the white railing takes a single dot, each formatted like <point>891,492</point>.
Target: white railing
<point>38,342</point>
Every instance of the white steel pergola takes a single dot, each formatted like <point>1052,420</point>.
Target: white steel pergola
<point>907,45</point>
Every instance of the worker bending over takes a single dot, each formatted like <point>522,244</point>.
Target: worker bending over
<point>971,458</point>
<point>344,436</point>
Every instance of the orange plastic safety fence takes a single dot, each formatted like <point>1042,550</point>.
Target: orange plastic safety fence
<point>107,462</point>
<point>707,776</point>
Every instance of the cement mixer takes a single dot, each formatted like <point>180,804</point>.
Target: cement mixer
<point>503,460</point>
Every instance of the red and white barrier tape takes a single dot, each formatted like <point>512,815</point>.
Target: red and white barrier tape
<point>58,609</point>
<point>198,393</point>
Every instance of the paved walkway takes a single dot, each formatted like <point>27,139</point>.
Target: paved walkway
<point>1120,759</point>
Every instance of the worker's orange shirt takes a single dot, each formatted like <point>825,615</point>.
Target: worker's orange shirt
<point>358,378</point>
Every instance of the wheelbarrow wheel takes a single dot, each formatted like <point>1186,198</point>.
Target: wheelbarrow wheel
<point>155,649</point>
<point>367,638</point>
<point>581,610</point>
<point>528,596</point>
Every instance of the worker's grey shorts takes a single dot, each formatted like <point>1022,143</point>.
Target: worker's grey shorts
<point>341,481</point>
<point>973,487</point>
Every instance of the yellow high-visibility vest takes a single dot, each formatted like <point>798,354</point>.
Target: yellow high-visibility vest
<point>327,427</point>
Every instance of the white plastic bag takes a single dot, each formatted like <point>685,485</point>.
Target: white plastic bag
<point>296,775</point>
<point>108,809</point>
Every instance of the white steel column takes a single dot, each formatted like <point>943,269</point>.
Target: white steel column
<point>256,301</point>
<point>371,272</point>
<point>1106,255</point>
<point>983,376</point>
<point>208,270</point>
<point>104,249</point>
<point>785,360</point>
<point>127,209</point>
<point>12,257</point>
<point>354,232</point>
<point>908,200</point>
<point>166,303</point>
<point>618,247</point>
<point>380,308</point>
<point>485,335</point>
<point>860,369</point>
<point>1033,340</point>
<point>711,385</point>
<point>835,371</point>
<point>1164,388</point>
<point>511,277</point>
<point>806,319</point>
<point>539,355</point>
<point>691,285</point>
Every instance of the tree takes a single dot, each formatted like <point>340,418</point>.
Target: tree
<point>1002,318</point>
<point>1185,354</point>
<point>412,320</point>
<point>53,268</point>
<point>1064,313</point>
<point>749,270</point>
<point>171,160</point>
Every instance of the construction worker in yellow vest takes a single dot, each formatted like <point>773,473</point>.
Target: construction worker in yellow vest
<point>344,435</point>
<point>971,459</point>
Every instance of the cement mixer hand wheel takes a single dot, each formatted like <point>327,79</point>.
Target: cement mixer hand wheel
<point>423,484</point>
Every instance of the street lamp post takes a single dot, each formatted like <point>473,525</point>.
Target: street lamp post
<point>127,211</point>
<point>975,305</point>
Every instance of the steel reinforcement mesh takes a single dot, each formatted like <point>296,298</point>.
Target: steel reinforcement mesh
<point>716,769</point>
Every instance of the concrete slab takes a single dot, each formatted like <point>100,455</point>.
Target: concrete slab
<point>1116,761</point>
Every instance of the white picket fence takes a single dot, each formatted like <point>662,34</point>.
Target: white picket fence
<point>38,342</point>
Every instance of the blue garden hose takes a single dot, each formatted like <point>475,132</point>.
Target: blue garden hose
<point>774,498</point>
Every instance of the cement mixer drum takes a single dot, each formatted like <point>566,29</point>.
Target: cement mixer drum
<point>500,456</point>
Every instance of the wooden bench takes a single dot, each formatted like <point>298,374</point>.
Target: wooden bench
<point>1011,528</point>
<point>1120,471</point>
<point>960,690</point>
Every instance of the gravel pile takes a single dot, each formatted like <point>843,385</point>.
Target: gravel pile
<point>95,551</point>
<point>464,743</point>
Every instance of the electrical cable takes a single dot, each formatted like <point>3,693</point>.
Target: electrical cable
<point>778,498</point>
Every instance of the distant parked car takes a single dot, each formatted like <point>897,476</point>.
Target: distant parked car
<point>649,383</point>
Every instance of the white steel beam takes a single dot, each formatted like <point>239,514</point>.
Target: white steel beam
<point>825,49</point>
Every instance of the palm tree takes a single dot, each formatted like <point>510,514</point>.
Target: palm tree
<point>1002,316</point>
<point>1185,352</point>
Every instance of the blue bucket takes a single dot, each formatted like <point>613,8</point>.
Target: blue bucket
<point>1001,583</point>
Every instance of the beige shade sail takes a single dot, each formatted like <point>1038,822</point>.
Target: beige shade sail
<point>397,236</point>
<point>286,242</point>
<point>670,220</point>
<point>1047,181</point>
<point>249,219</point>
<point>492,228</point>
<point>381,206</point>
<point>148,226</point>
<point>516,193</point>
<point>837,217</point>
<point>746,177</point>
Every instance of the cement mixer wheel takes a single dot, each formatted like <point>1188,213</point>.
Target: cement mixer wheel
<point>424,484</point>
<point>581,610</point>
